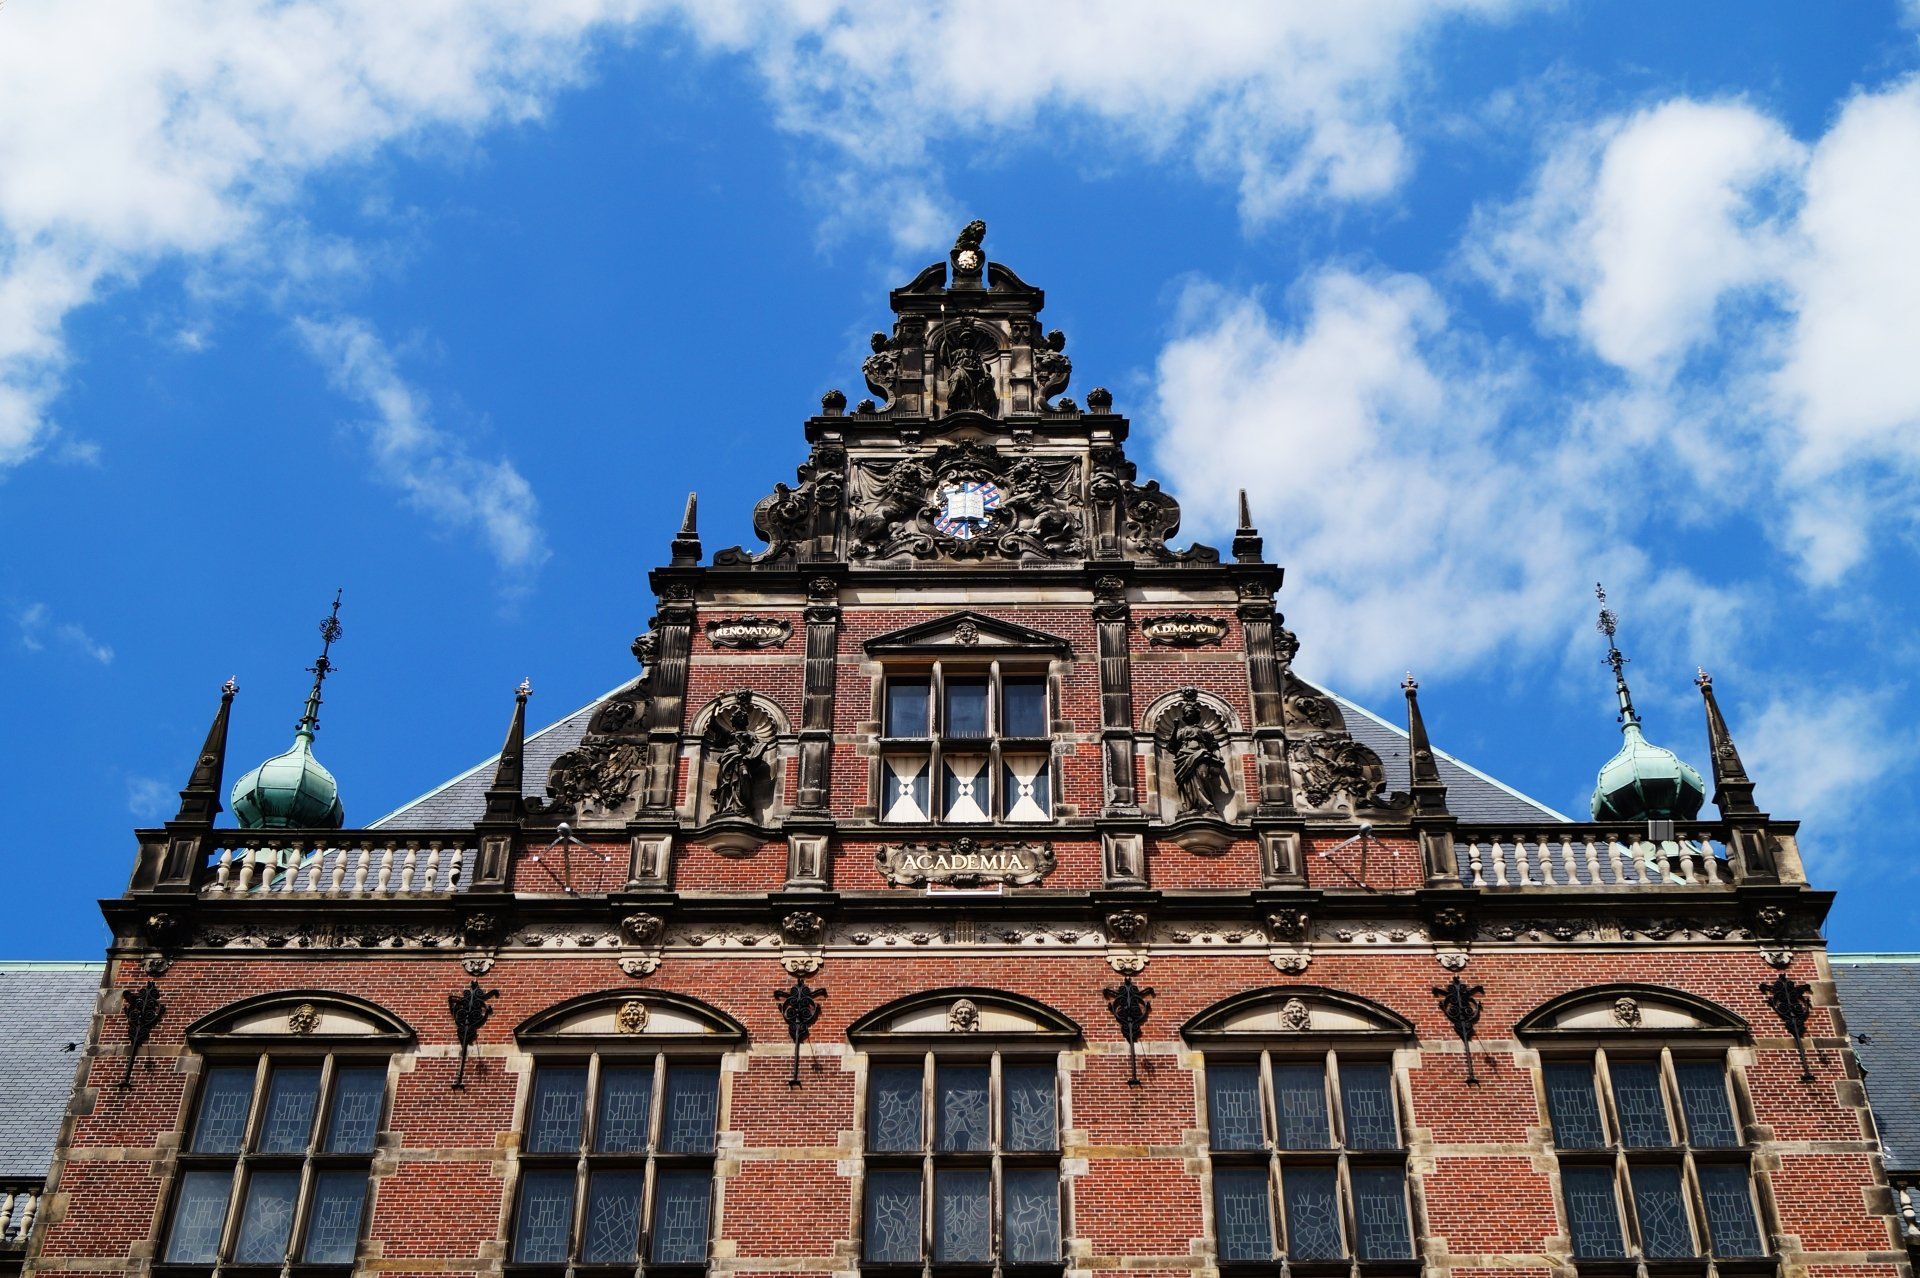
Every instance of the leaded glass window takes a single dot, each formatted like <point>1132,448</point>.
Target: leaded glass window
<point>962,1162</point>
<point>1308,1160</point>
<point>965,742</point>
<point>617,1167</point>
<point>276,1162</point>
<point>1642,1175</point>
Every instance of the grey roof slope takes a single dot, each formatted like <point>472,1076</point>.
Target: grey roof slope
<point>1880,997</point>
<point>44,1007</point>
<point>1471,794</point>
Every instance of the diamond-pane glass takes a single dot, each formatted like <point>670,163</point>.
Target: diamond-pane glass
<point>682,1202</point>
<point>199,1210</point>
<point>692,1109</point>
<point>1642,1109</point>
<point>1729,1205</point>
<point>545,1220</point>
<point>1593,1216</point>
<point>1032,1211</point>
<point>1313,1213</point>
<point>1664,1231</point>
<point>620,1122</point>
<point>559,1103</point>
<point>893,1109</point>
<point>960,1106</point>
<point>353,1122</point>
<point>333,1218</point>
<point>1240,1210</point>
<point>1032,1115</point>
<point>266,1220</point>
<point>1574,1107</point>
<point>1300,1100</point>
<point>962,1229</point>
<point>292,1094</point>
<point>610,1233</point>
<point>892,1217</point>
<point>1703,1098</point>
<point>1380,1213</point>
<point>1233,1106</point>
<point>1366,1101</point>
<point>222,1121</point>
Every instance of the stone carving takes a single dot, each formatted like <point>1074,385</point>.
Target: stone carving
<point>965,862</point>
<point>1293,964</point>
<point>882,368</point>
<point>749,631</point>
<point>476,964</point>
<point>1328,770</point>
<point>833,402</point>
<point>1194,738</point>
<point>965,350</point>
<point>639,964</point>
<point>1453,962</point>
<point>482,929</point>
<point>597,774</point>
<point>1288,925</point>
<point>883,515</point>
<point>964,1016</point>
<point>785,518</point>
<point>1295,1015</point>
<point>1127,926</point>
<point>303,1019</point>
<point>971,503</point>
<point>1052,369</point>
<point>1183,630</point>
<point>967,255</point>
<point>642,928</point>
<point>803,927</point>
<point>1626,1011</point>
<point>632,1017</point>
<point>646,648</point>
<point>739,735</point>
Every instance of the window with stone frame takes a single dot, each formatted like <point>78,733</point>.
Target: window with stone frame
<point>616,1163</point>
<point>1653,1160</point>
<point>962,1153</point>
<point>276,1160</point>
<point>1309,1159</point>
<point>966,741</point>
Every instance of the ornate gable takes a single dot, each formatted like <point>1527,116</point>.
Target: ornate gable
<point>966,633</point>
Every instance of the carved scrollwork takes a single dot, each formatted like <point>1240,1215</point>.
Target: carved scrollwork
<point>1052,369</point>
<point>882,368</point>
<point>596,774</point>
<point>1024,508</point>
<point>965,862</point>
<point>786,518</point>
<point>1331,769</point>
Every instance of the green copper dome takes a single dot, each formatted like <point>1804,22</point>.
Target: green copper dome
<point>289,791</point>
<point>1646,782</point>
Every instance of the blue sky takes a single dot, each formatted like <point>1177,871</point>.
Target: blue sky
<point>451,304</point>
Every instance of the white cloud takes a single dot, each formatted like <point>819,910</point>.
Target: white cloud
<point>1758,297</point>
<point>1435,526</point>
<point>148,799</point>
<point>434,469</point>
<point>37,627</point>
<point>1820,756</point>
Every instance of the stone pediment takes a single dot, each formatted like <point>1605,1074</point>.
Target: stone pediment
<point>630,1014</point>
<point>959,1012</point>
<point>965,633</point>
<point>1628,1008</point>
<point>1293,1011</point>
<point>296,1015</point>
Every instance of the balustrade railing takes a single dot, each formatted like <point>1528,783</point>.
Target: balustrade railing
<point>1906,1205</point>
<point>259,863</point>
<point>1573,855</point>
<point>19,1204</point>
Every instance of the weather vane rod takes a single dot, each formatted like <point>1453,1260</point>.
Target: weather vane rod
<point>330,630</point>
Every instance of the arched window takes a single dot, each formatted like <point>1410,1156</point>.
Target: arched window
<point>1653,1154</point>
<point>618,1133</point>
<point>1306,1125</point>
<point>275,1163</point>
<point>960,1128</point>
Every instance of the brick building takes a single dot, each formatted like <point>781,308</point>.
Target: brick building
<point>968,885</point>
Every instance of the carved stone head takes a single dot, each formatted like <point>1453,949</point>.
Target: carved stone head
<point>964,1016</point>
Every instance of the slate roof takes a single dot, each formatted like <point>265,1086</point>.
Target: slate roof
<point>1471,795</point>
<point>1880,998</point>
<point>43,1008</point>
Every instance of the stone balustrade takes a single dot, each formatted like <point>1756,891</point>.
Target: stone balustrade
<point>1906,1205</point>
<point>1589,856</point>
<point>261,863</point>
<point>19,1204</point>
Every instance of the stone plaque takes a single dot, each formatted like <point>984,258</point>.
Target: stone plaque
<point>749,632</point>
<point>1183,630</point>
<point>965,863</point>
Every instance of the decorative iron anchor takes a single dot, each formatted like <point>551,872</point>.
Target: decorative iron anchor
<point>470,1009</point>
<point>1128,1003</point>
<point>1460,1004</point>
<point>1792,1002</point>
<point>143,1010</point>
<point>800,1008</point>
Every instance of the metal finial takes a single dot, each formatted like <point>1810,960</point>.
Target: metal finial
<point>1609,625</point>
<point>1701,678</point>
<point>231,686</point>
<point>1410,685</point>
<point>330,630</point>
<point>525,689</point>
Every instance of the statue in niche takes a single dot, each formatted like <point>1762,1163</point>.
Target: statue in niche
<point>1194,738</point>
<point>739,746</point>
<point>882,368</point>
<point>965,352</point>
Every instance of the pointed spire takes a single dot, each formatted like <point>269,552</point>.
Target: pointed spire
<point>200,801</point>
<point>1246,538</point>
<point>292,790</point>
<point>1732,788</point>
<point>1609,625</point>
<point>504,799</point>
<point>330,630</point>
<point>686,545</point>
<point>1423,770</point>
<point>1643,781</point>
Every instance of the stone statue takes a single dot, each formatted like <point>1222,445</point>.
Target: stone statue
<point>739,749</point>
<point>969,381</point>
<point>882,368</point>
<point>1052,370</point>
<point>1193,739</point>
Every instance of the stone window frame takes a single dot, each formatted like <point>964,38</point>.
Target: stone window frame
<point>1716,1036</point>
<point>549,1043</point>
<point>1366,1033</point>
<point>970,1027</point>
<point>937,744</point>
<point>315,1029</point>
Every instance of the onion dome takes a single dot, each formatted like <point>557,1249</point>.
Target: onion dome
<point>1644,781</point>
<point>292,791</point>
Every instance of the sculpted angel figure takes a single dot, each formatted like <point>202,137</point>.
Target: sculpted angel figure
<point>739,757</point>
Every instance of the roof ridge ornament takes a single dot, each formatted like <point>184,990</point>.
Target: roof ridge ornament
<point>1642,781</point>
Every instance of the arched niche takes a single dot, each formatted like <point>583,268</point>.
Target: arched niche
<point>291,1017</point>
<point>750,728</point>
<point>1296,1013</point>
<point>631,1016</point>
<point>1189,720</point>
<point>1628,1009</point>
<point>962,1016</point>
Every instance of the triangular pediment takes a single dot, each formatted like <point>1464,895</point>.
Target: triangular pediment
<point>965,632</point>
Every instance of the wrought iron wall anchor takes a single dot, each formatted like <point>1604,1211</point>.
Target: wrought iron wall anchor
<point>143,1010</point>
<point>800,1008</point>
<point>470,1009</point>
<point>1792,1002</point>
<point>1128,1003</point>
<point>1460,1004</point>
